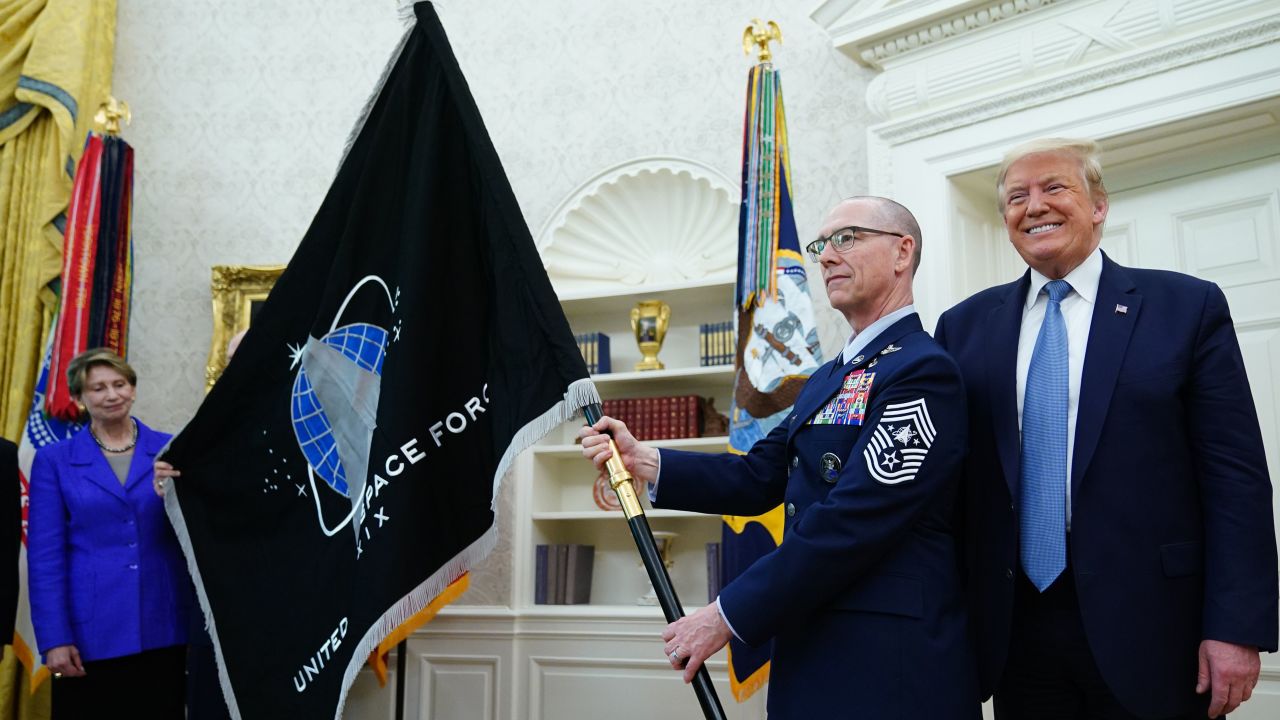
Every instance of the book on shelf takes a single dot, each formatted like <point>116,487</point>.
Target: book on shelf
<point>540,571</point>
<point>595,351</point>
<point>660,418</point>
<point>715,343</point>
<point>577,576</point>
<point>713,571</point>
<point>562,574</point>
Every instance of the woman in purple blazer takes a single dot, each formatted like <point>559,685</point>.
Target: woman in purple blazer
<point>110,595</point>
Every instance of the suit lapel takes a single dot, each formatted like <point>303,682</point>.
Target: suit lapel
<point>1004,324</point>
<point>1109,334</point>
<point>144,455</point>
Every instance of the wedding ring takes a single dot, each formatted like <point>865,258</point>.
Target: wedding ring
<point>57,675</point>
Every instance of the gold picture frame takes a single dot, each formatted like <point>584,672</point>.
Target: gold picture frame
<point>238,291</point>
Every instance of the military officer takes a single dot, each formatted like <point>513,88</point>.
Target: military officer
<point>865,586</point>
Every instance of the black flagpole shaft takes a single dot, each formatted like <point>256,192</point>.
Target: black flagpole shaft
<point>400,666</point>
<point>620,479</point>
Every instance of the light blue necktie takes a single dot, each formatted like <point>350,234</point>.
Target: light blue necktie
<point>1044,448</point>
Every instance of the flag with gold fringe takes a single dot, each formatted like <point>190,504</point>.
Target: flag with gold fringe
<point>777,337</point>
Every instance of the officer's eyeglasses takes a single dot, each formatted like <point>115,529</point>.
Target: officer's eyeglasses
<point>843,240</point>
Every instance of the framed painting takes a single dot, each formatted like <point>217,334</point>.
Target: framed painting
<point>238,293</point>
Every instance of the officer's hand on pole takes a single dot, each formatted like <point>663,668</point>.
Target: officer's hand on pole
<point>639,458</point>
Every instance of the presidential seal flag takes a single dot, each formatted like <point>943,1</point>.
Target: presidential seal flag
<point>342,472</point>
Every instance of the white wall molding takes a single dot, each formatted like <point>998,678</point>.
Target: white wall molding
<point>874,35</point>
<point>950,63</point>
<point>1139,63</point>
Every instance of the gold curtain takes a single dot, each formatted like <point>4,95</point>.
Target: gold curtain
<point>55,69</point>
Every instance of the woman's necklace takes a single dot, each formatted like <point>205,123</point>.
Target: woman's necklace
<point>126,448</point>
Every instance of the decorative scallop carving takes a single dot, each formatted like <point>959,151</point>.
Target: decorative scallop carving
<point>651,221</point>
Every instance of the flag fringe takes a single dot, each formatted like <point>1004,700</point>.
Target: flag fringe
<point>578,394</point>
<point>377,659</point>
<point>743,690</point>
<point>410,23</point>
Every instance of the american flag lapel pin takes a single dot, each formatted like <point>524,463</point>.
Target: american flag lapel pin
<point>1122,309</point>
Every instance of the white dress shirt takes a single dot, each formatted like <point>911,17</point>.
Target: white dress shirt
<point>1077,314</point>
<point>861,340</point>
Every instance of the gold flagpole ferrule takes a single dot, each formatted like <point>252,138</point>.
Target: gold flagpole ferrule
<point>620,479</point>
<point>758,35</point>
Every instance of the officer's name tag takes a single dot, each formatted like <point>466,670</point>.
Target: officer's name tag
<point>849,406</point>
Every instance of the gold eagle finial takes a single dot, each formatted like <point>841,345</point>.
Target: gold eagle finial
<point>110,113</point>
<point>759,34</point>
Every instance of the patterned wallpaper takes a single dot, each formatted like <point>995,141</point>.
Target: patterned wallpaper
<point>241,109</point>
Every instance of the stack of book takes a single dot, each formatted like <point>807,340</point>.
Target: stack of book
<point>713,571</point>
<point>563,574</point>
<point>659,418</point>
<point>715,343</point>
<point>594,347</point>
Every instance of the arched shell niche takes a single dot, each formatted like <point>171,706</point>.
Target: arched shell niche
<point>658,221</point>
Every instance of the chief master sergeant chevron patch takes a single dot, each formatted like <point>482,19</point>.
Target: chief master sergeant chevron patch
<point>900,442</point>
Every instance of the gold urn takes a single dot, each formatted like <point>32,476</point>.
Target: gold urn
<point>649,320</point>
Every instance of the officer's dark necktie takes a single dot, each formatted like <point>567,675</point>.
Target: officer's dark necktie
<point>1044,448</point>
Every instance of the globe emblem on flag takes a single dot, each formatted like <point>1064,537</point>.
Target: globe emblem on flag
<point>364,345</point>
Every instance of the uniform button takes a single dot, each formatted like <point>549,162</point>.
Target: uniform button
<point>133,544</point>
<point>1011,505</point>
<point>795,461</point>
<point>133,566</point>
<point>1008,573</point>
<point>791,510</point>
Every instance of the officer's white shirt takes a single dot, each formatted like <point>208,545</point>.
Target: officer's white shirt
<point>860,340</point>
<point>1077,314</point>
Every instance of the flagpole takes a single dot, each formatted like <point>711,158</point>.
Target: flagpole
<point>620,479</point>
<point>400,670</point>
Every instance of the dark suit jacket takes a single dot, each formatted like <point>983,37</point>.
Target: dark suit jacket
<point>10,537</point>
<point>863,596</point>
<point>1172,539</point>
<point>106,573</point>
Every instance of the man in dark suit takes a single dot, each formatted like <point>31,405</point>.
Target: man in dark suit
<point>1120,546</point>
<point>865,587</point>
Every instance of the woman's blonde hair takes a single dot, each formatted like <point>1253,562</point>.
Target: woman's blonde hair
<point>78,369</point>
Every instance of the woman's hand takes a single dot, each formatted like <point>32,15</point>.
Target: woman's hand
<point>163,471</point>
<point>64,661</point>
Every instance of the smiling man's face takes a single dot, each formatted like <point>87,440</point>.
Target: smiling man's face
<point>1052,220</point>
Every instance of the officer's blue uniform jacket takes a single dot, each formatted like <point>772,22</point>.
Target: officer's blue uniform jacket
<point>863,596</point>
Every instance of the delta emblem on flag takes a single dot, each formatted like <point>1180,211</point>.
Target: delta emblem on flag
<point>777,336</point>
<point>342,472</point>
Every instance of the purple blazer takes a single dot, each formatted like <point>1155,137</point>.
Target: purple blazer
<point>104,567</point>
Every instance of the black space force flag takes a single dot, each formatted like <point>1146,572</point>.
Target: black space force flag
<point>343,470</point>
